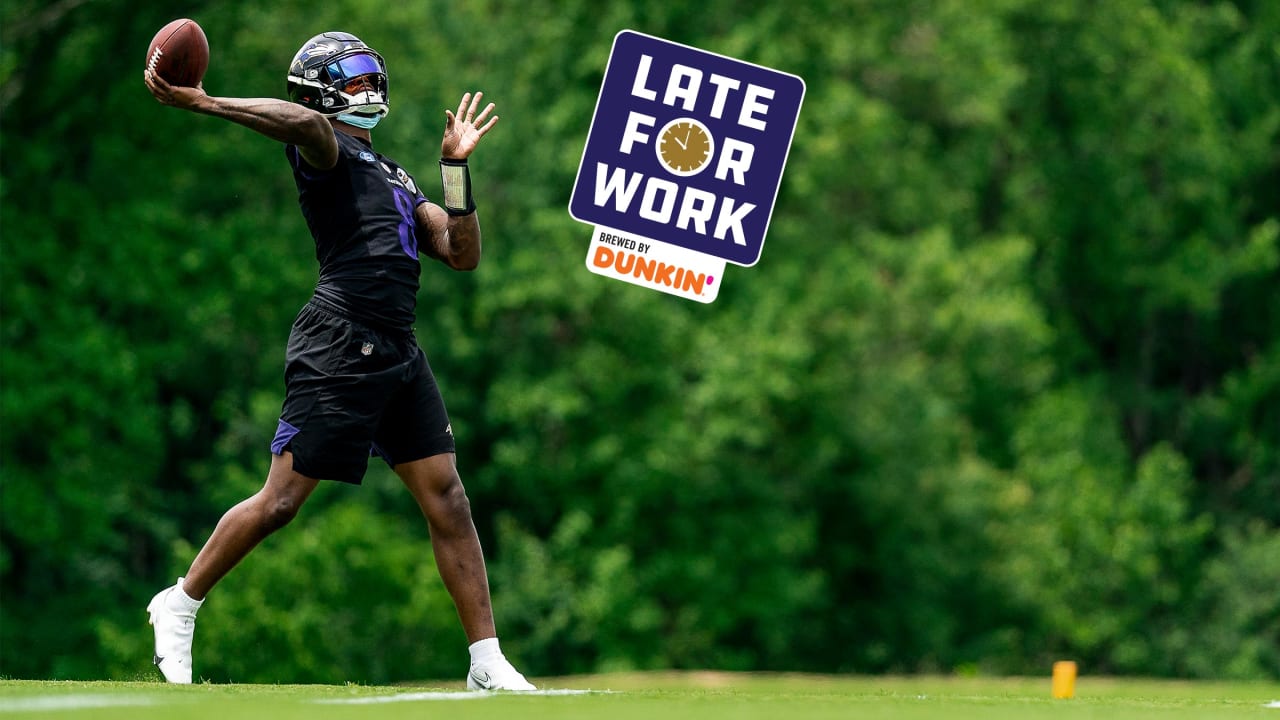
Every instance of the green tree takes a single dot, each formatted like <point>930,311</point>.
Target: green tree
<point>1003,386</point>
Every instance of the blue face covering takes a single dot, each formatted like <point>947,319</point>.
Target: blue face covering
<point>361,121</point>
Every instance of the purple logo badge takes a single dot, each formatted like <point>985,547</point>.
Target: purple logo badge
<point>683,163</point>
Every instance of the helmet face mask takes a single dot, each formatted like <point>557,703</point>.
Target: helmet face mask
<point>335,72</point>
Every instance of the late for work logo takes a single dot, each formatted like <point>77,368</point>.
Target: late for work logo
<point>682,165</point>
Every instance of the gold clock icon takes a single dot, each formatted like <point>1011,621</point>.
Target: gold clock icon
<point>685,146</point>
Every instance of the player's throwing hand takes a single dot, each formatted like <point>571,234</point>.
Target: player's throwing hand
<point>463,130</point>
<point>172,95</point>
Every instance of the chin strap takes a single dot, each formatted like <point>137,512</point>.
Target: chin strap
<point>456,179</point>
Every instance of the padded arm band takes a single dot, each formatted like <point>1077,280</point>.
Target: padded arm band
<point>456,179</point>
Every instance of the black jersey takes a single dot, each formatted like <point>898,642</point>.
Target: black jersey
<point>360,213</point>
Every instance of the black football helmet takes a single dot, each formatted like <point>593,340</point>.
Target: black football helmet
<point>334,72</point>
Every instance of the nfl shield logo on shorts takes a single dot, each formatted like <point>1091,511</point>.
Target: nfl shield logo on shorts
<point>366,349</point>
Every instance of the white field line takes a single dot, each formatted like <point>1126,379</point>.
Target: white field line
<point>37,703</point>
<point>71,702</point>
<point>447,695</point>
<point>1273,704</point>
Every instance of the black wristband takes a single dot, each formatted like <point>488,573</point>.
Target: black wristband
<point>456,179</point>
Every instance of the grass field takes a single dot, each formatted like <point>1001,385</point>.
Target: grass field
<point>664,696</point>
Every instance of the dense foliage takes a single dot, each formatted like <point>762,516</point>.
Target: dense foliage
<point>1004,387</point>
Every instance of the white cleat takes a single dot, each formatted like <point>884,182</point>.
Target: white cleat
<point>496,674</point>
<point>174,632</point>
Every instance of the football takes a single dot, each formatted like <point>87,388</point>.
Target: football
<point>179,53</point>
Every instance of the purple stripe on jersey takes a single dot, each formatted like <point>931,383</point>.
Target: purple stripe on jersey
<point>298,162</point>
<point>284,433</point>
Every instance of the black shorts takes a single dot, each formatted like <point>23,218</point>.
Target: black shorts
<point>352,391</point>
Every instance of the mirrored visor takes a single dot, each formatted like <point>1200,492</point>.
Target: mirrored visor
<point>353,66</point>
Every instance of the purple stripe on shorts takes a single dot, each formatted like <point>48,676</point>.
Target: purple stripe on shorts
<point>284,433</point>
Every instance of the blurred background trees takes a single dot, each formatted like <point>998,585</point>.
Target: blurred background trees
<point>1004,388</point>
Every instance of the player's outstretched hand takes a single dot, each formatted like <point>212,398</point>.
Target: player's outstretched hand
<point>173,95</point>
<point>463,130</point>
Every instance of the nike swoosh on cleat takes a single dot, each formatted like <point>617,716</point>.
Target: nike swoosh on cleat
<point>481,681</point>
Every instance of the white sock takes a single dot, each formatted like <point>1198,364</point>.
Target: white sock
<point>483,650</point>
<point>179,601</point>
